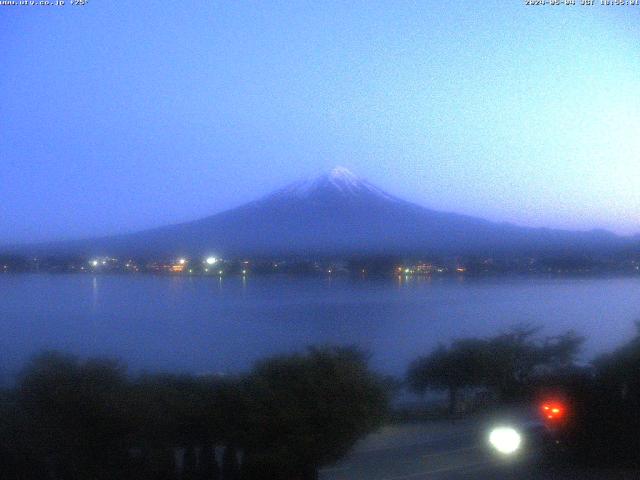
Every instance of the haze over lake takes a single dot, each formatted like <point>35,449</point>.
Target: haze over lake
<point>205,324</point>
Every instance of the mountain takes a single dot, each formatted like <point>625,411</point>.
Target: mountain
<point>339,214</point>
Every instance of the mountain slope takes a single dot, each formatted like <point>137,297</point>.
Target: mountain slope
<point>339,213</point>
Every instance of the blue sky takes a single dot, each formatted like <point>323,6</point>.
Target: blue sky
<point>119,116</point>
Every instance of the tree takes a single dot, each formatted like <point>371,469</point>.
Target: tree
<point>73,416</point>
<point>461,365</point>
<point>506,362</point>
<point>612,415</point>
<point>208,465</point>
<point>230,467</point>
<point>16,459</point>
<point>562,350</point>
<point>620,370</point>
<point>308,410</point>
<point>183,411</point>
<point>513,356</point>
<point>519,354</point>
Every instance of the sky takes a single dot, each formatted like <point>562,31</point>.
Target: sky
<point>121,116</point>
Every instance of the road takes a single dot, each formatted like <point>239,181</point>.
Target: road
<point>451,451</point>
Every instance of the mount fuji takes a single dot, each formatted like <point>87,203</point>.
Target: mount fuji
<point>340,214</point>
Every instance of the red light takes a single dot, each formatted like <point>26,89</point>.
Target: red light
<point>554,411</point>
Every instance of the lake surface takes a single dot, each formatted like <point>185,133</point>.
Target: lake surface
<point>204,324</point>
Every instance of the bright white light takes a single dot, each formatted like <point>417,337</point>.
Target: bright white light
<point>94,263</point>
<point>211,260</point>
<point>505,440</point>
<point>182,261</point>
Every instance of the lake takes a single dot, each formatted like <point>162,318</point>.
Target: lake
<point>207,324</point>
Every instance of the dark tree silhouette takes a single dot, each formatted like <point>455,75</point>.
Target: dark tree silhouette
<point>515,357</point>
<point>74,416</point>
<point>506,363</point>
<point>189,463</point>
<point>463,364</point>
<point>208,465</point>
<point>309,410</point>
<point>230,467</point>
<point>182,411</point>
<point>69,419</point>
<point>619,370</point>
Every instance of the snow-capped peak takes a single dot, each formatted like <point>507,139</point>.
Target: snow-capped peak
<point>339,180</point>
<point>343,179</point>
<point>343,175</point>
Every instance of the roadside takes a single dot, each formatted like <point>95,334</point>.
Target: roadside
<point>453,451</point>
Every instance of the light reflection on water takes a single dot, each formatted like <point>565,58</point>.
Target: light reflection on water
<point>202,324</point>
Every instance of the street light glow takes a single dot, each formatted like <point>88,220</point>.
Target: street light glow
<point>505,440</point>
<point>211,260</point>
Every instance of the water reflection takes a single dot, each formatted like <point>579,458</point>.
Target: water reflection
<point>94,290</point>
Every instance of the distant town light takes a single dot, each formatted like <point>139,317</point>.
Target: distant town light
<point>211,260</point>
<point>182,261</point>
<point>244,272</point>
<point>94,263</point>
